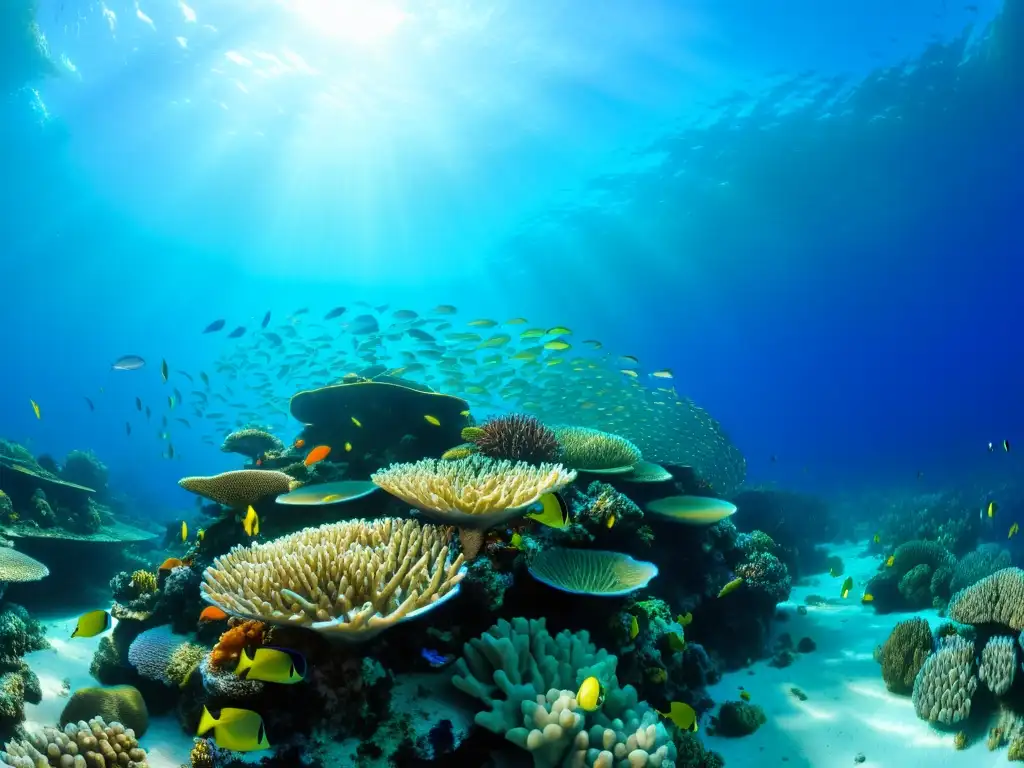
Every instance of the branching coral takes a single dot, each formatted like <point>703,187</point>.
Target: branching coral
<point>904,653</point>
<point>516,437</point>
<point>350,580</point>
<point>95,742</point>
<point>592,449</point>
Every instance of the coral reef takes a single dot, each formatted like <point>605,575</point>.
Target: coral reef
<point>96,742</point>
<point>995,599</point>
<point>252,443</point>
<point>919,577</point>
<point>159,655</point>
<point>121,703</point>
<point>241,634</point>
<point>85,468</point>
<point>798,524</point>
<point>591,449</point>
<point>240,488</point>
<point>976,565</point>
<point>904,653</point>
<point>516,437</point>
<point>945,686</point>
<point>19,634</point>
<point>737,718</point>
<point>936,517</point>
<point>998,664</point>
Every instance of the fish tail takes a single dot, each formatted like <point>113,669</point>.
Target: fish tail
<point>206,722</point>
<point>244,664</point>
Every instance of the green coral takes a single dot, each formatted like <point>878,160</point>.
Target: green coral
<point>915,586</point>
<point>120,703</point>
<point>738,718</point>
<point>904,653</point>
<point>183,662</point>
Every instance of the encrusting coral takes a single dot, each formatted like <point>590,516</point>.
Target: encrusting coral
<point>240,488</point>
<point>350,580</point>
<point>119,703</point>
<point>737,718</point>
<point>591,449</point>
<point>91,744</point>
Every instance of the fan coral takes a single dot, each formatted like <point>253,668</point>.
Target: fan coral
<point>592,449</point>
<point>517,437</point>
<point>998,664</point>
<point>251,442</point>
<point>240,488</point>
<point>904,653</point>
<point>240,635</point>
<point>350,580</point>
<point>946,683</point>
<point>996,599</point>
<point>120,703</point>
<point>591,572</point>
<point>92,743</point>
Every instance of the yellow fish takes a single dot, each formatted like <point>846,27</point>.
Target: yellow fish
<point>676,642</point>
<point>348,447</point>
<point>35,409</point>
<point>463,413</point>
<point>356,422</point>
<point>432,420</point>
<point>200,534</point>
<point>550,510</point>
<point>533,333</point>
<point>251,522</point>
<point>868,598</point>
<point>664,373</point>
<point>890,560</point>
<point>557,345</point>
<point>877,539</point>
<point>684,619</point>
<point>559,330</point>
<point>847,586</point>
<point>610,521</point>
<point>732,586</point>
<point>683,715</point>
<point>590,696</point>
<point>1013,530</point>
<point>516,321</point>
<point>745,695</point>
<point>91,624</point>
<point>991,509</point>
<point>240,730</point>
<point>634,627</point>
<point>593,343</point>
<point>517,542</point>
<point>184,531</point>
<point>170,402</point>
<point>628,372</point>
<point>483,323</point>
<point>272,665</point>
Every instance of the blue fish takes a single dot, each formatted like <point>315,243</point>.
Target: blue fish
<point>435,659</point>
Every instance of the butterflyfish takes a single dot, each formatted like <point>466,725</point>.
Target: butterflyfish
<point>240,730</point>
<point>200,534</point>
<point>683,715</point>
<point>590,696</point>
<point>550,510</point>
<point>847,586</point>
<point>91,624</point>
<point>991,509</point>
<point>684,619</point>
<point>1014,529</point>
<point>516,542</point>
<point>35,409</point>
<point>732,586</point>
<point>213,613</point>
<point>890,560</point>
<point>272,665</point>
<point>251,522</point>
<point>610,521</point>
<point>170,564</point>
<point>868,598</point>
<point>432,420</point>
<point>357,422</point>
<point>184,531</point>
<point>634,627</point>
<point>676,642</point>
<point>316,455</point>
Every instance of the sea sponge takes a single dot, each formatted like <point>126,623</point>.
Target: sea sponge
<point>240,488</point>
<point>996,599</point>
<point>251,442</point>
<point>241,634</point>
<point>517,437</point>
<point>904,653</point>
<point>946,683</point>
<point>591,572</point>
<point>585,448</point>
<point>119,703</point>
<point>91,744</point>
<point>349,580</point>
<point>998,664</point>
<point>738,718</point>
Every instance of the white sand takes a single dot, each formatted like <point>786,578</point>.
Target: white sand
<point>848,709</point>
<point>165,742</point>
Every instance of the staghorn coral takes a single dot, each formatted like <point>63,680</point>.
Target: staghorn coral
<point>591,449</point>
<point>350,580</point>
<point>240,488</point>
<point>591,571</point>
<point>516,437</point>
<point>94,742</point>
<point>996,599</point>
<point>120,703</point>
<point>904,653</point>
<point>997,664</point>
<point>252,443</point>
<point>241,634</point>
<point>946,683</point>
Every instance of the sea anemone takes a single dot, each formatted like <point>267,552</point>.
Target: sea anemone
<point>517,437</point>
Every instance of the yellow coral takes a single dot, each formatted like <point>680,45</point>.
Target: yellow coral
<point>960,740</point>
<point>144,582</point>
<point>201,755</point>
<point>183,662</point>
<point>350,580</point>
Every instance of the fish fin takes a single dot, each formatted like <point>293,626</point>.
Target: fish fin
<point>206,722</point>
<point>244,664</point>
<point>472,541</point>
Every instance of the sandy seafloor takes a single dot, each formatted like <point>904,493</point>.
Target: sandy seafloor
<point>848,710</point>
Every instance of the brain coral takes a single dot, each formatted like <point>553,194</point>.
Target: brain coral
<point>904,653</point>
<point>996,599</point>
<point>119,703</point>
<point>946,683</point>
<point>151,652</point>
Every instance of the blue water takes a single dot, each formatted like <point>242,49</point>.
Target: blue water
<point>810,214</point>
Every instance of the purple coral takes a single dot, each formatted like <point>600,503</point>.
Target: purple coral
<point>517,437</point>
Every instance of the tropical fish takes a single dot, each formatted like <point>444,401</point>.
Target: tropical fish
<point>1014,529</point>
<point>138,404</point>
<point>627,372</point>
<point>212,613</point>
<point>251,522</point>
<point>664,373</point>
<point>200,534</point>
<point>348,447</point>
<point>266,320</point>
<point>550,510</point>
<point>991,447</point>
<point>35,409</point>
<point>634,627</point>
<point>170,564</point>
<point>590,696</point>
<point>991,509</point>
<point>868,598</point>
<point>1006,445</point>
<point>676,643</point>
<point>559,330</point>
<point>732,586</point>
<point>128,428</point>
<point>272,665</point>
<point>215,326</point>
<point>435,659</point>
<point>128,363</point>
<point>164,373</point>
<point>745,695</point>
<point>684,619</point>
<point>558,345</point>
<point>516,542</point>
<point>316,455</point>
<point>91,624</point>
<point>610,521</point>
<point>89,403</point>
<point>299,443</point>
<point>445,309</point>
<point>237,333</point>
<point>336,312</point>
<point>148,413</point>
<point>482,323</point>
<point>683,715</point>
<point>184,531</point>
<point>890,560</point>
<point>629,360</point>
<point>877,539</point>
<point>357,422</point>
<point>240,730</point>
<point>847,586</point>
<point>432,420</point>
<point>170,451</point>
<point>835,571</point>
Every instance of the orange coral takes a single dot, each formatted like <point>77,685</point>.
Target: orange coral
<point>240,634</point>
